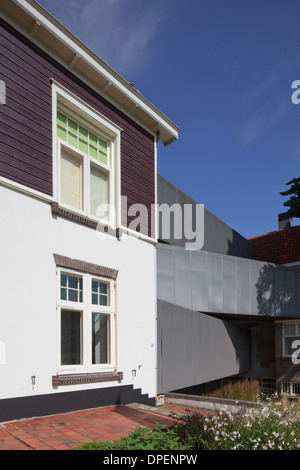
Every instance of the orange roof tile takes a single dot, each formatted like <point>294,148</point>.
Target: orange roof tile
<point>280,247</point>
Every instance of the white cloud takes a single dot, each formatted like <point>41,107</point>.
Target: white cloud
<point>263,121</point>
<point>121,32</point>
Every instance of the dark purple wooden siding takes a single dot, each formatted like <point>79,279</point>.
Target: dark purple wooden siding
<point>26,127</point>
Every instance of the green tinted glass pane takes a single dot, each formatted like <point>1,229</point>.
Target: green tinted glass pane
<point>63,293</point>
<point>93,139</point>
<point>72,139</point>
<point>72,126</point>
<point>103,288</point>
<point>93,152</point>
<point>83,146</point>
<point>102,146</point>
<point>95,299</point>
<point>95,286</point>
<point>61,133</point>
<point>103,158</point>
<point>61,119</point>
<point>83,133</point>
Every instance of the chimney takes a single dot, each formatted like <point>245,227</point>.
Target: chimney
<point>284,221</point>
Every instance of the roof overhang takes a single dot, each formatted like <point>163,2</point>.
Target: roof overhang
<point>43,29</point>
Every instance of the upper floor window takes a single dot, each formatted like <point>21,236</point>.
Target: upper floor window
<point>87,154</point>
<point>291,333</point>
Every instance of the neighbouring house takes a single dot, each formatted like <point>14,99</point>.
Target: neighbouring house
<point>282,247</point>
<point>78,149</point>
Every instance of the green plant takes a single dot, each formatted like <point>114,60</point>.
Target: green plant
<point>274,426</point>
<point>191,430</point>
<point>159,438</point>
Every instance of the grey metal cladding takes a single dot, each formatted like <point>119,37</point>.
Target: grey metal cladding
<point>195,348</point>
<point>183,278</point>
<point>165,273</point>
<point>199,283</point>
<point>216,283</point>
<point>218,236</point>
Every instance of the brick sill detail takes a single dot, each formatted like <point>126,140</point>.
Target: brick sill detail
<point>83,220</point>
<point>77,379</point>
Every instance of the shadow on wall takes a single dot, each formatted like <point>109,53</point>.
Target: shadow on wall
<point>278,291</point>
<point>241,343</point>
<point>237,245</point>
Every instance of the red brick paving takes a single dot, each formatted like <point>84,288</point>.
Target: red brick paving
<point>66,431</point>
<point>69,430</point>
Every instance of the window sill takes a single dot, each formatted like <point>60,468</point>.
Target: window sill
<point>78,379</point>
<point>56,209</point>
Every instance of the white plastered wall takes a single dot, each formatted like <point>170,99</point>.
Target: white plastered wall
<point>29,236</point>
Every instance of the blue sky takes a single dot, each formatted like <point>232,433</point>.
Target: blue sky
<point>222,70</point>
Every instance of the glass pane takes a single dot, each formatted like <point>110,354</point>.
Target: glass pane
<point>61,133</point>
<point>288,343</point>
<point>83,146</point>
<point>93,152</point>
<point>83,133</point>
<point>70,337</point>
<point>71,191</point>
<point>61,119</point>
<point>72,126</point>
<point>72,139</point>
<point>100,342</point>
<point>73,282</point>
<point>63,280</point>
<point>103,299</point>
<point>99,193</point>
<point>73,295</point>
<point>63,293</point>
<point>102,146</point>
<point>95,286</point>
<point>95,300</point>
<point>102,158</point>
<point>93,139</point>
<point>103,288</point>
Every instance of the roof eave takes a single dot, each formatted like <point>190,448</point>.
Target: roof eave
<point>43,29</point>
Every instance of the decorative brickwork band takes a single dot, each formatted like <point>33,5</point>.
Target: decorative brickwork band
<point>78,265</point>
<point>59,380</point>
<point>80,219</point>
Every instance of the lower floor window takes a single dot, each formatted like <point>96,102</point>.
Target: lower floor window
<point>86,323</point>
<point>291,333</point>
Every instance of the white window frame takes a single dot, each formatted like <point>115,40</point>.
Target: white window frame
<point>87,309</point>
<point>73,107</point>
<point>284,336</point>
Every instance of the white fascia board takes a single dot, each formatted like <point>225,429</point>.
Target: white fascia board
<point>45,19</point>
